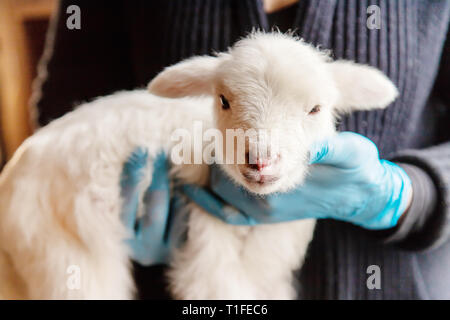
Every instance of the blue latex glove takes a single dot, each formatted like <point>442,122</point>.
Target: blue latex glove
<point>163,223</point>
<point>347,182</point>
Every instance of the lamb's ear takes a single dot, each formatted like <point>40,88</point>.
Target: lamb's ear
<point>361,87</point>
<point>191,77</point>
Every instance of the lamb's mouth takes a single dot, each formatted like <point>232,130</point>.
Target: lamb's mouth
<point>259,179</point>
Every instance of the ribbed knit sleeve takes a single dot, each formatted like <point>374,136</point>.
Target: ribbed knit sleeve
<point>436,162</point>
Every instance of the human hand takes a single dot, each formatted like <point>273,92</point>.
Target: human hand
<point>163,223</point>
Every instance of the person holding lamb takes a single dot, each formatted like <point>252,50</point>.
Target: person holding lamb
<point>372,211</point>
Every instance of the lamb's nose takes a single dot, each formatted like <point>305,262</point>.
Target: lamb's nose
<point>260,163</point>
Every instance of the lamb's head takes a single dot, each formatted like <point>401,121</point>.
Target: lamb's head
<point>287,91</point>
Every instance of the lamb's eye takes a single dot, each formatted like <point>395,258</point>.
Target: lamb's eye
<point>225,103</point>
<point>315,110</point>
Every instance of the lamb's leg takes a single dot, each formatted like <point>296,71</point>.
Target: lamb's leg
<point>12,287</point>
<point>62,249</point>
<point>221,261</point>
<point>208,265</point>
<point>62,269</point>
<point>271,255</point>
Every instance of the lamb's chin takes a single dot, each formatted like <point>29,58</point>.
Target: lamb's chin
<point>262,189</point>
<point>286,183</point>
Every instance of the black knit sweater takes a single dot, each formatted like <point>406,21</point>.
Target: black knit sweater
<point>122,45</point>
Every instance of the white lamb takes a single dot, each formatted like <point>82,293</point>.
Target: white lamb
<point>60,196</point>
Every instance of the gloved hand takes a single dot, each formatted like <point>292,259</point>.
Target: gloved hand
<point>347,182</point>
<point>163,223</point>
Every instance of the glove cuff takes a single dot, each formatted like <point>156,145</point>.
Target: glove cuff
<point>405,194</point>
<point>422,206</point>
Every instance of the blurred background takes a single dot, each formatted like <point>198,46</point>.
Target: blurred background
<point>23,27</point>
